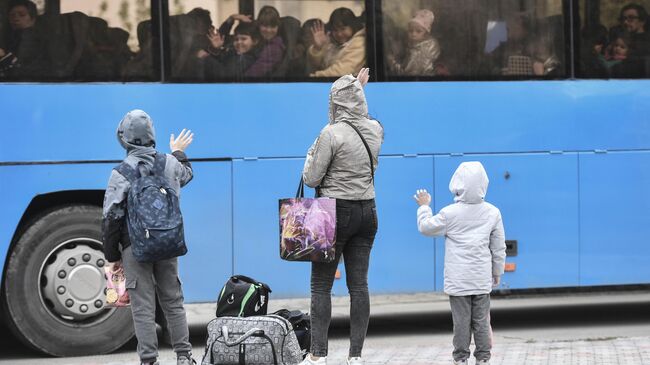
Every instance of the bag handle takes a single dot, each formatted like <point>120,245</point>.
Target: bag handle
<point>372,165</point>
<point>301,188</point>
<point>253,332</point>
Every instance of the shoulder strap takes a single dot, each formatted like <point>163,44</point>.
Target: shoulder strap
<point>159,164</point>
<point>129,173</point>
<point>372,165</point>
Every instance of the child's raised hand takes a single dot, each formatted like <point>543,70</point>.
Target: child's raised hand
<point>182,142</point>
<point>422,197</point>
<point>320,37</point>
<point>242,18</point>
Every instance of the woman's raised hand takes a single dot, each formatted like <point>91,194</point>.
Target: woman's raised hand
<point>364,76</point>
<point>216,39</point>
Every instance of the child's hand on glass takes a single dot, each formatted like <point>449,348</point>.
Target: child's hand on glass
<point>182,142</point>
<point>320,37</point>
<point>363,76</point>
<point>422,197</point>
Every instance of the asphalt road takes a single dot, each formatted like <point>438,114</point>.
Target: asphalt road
<point>426,321</point>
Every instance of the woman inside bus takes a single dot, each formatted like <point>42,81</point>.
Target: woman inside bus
<point>339,164</point>
<point>341,51</point>
<point>24,50</point>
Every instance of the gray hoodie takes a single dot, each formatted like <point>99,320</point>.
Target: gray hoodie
<point>136,134</point>
<point>338,162</point>
<point>475,247</point>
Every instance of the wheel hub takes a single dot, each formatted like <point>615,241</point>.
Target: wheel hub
<point>73,281</point>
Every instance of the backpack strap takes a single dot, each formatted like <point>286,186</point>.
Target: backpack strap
<point>372,165</point>
<point>129,173</point>
<point>159,164</point>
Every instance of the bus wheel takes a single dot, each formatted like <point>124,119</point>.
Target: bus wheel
<point>53,295</point>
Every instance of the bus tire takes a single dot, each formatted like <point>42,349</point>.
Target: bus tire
<point>53,292</point>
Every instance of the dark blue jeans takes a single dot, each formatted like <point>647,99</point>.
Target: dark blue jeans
<point>356,226</point>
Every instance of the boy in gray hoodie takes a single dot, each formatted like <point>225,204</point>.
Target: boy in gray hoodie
<point>144,280</point>
<point>475,252</point>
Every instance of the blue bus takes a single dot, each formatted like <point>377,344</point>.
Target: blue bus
<point>534,89</point>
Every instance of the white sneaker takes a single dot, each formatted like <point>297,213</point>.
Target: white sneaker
<point>461,362</point>
<point>309,361</point>
<point>482,362</point>
<point>355,361</point>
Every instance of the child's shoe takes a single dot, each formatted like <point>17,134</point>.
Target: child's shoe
<point>309,361</point>
<point>355,361</point>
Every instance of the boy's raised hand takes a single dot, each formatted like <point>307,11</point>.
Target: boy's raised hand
<point>422,197</point>
<point>182,142</point>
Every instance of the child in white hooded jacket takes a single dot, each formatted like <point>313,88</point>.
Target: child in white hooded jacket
<point>475,252</point>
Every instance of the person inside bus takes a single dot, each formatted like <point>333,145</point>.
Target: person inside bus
<point>512,57</point>
<point>633,19</point>
<point>232,61</point>
<point>423,49</point>
<point>298,64</point>
<point>593,45</point>
<point>271,47</point>
<point>475,253</point>
<point>343,166</point>
<point>24,49</point>
<point>618,59</point>
<point>340,51</point>
<point>145,281</point>
<point>545,61</point>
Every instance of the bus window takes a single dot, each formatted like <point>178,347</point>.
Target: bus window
<point>473,39</point>
<point>90,40</point>
<point>281,40</point>
<point>614,39</point>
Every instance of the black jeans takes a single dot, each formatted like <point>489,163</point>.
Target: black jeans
<point>356,226</point>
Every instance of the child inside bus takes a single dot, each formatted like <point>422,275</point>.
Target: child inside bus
<point>272,46</point>
<point>423,49</point>
<point>475,252</point>
<point>341,51</point>
<point>234,60</point>
<point>145,281</point>
<point>617,52</point>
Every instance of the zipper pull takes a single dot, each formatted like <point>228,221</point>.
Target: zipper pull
<point>146,233</point>
<point>163,191</point>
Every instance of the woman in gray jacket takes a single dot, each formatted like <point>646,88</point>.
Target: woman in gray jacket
<point>339,166</point>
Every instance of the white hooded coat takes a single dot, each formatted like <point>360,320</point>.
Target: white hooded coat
<point>475,247</point>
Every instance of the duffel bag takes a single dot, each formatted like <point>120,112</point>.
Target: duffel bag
<point>242,296</point>
<point>258,340</point>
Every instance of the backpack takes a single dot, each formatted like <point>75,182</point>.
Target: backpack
<point>258,340</point>
<point>153,213</point>
<point>242,296</point>
<point>301,323</point>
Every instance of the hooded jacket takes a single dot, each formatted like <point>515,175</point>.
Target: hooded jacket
<point>136,134</point>
<point>475,247</point>
<point>420,59</point>
<point>338,161</point>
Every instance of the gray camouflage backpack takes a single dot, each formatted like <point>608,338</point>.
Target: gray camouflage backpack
<point>154,217</point>
<point>258,340</point>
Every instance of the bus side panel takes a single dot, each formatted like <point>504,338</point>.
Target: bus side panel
<point>419,117</point>
<point>207,216</point>
<point>614,218</point>
<point>537,195</point>
<point>257,186</point>
<point>402,260</point>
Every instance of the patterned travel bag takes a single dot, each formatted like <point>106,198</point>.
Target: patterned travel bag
<point>258,340</point>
